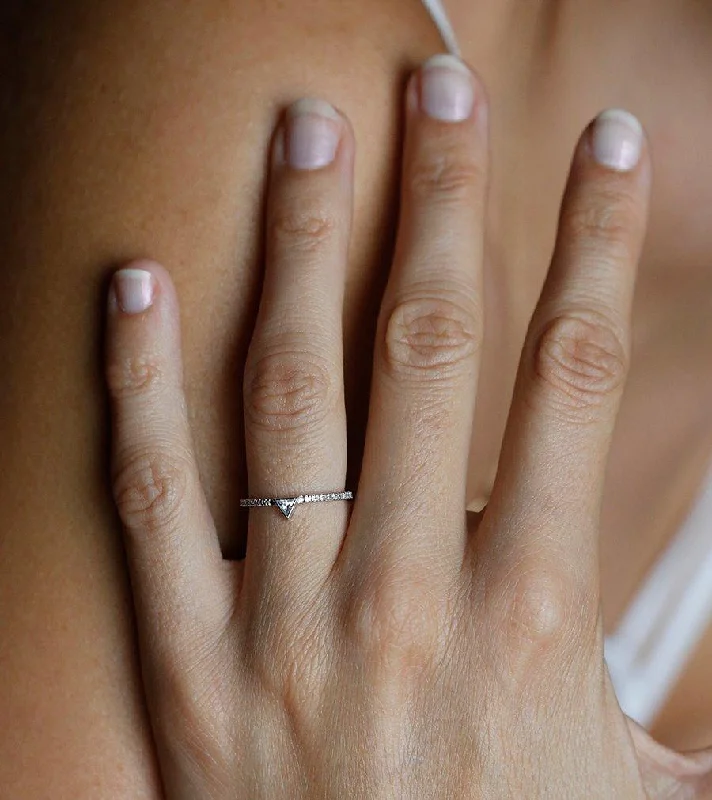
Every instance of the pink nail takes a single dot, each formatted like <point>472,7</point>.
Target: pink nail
<point>617,139</point>
<point>447,88</point>
<point>134,290</point>
<point>314,132</point>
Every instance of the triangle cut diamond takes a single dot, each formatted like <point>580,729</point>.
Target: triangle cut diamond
<point>286,506</point>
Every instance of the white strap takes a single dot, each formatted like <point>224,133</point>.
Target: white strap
<point>441,20</point>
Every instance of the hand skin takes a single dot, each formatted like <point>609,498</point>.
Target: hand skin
<point>140,128</point>
<point>390,651</point>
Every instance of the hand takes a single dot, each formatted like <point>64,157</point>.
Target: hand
<point>390,652</point>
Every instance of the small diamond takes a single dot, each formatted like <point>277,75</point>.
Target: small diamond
<point>286,506</point>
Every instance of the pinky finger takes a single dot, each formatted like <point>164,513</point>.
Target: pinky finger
<point>180,583</point>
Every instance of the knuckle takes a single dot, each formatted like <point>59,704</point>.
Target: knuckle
<point>581,361</point>
<point>431,337</point>
<point>149,490</point>
<point>133,375</point>
<point>395,625</point>
<point>288,391</point>
<point>544,616</point>
<point>538,609</point>
<point>444,176</point>
<point>304,229</point>
<point>605,221</point>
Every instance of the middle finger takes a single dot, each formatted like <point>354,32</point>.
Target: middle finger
<point>430,328</point>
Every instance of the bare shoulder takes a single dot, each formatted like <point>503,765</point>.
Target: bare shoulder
<point>138,128</point>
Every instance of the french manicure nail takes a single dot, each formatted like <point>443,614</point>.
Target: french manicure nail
<point>313,133</point>
<point>617,139</point>
<point>446,88</point>
<point>134,290</point>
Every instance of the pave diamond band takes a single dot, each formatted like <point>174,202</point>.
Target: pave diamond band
<point>287,504</point>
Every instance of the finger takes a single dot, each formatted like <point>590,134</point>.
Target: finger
<point>179,580</point>
<point>667,773</point>
<point>431,323</point>
<point>542,519</point>
<point>295,420</point>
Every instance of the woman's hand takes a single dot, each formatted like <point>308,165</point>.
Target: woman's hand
<point>390,652</point>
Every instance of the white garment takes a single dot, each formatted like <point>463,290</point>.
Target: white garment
<point>667,618</point>
<point>673,608</point>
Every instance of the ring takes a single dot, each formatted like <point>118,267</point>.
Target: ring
<point>287,504</point>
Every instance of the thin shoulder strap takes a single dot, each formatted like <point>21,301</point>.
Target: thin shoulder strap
<point>667,618</point>
<point>440,18</point>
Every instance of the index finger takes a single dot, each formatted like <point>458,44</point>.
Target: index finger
<point>542,520</point>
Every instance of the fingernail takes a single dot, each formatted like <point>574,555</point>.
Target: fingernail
<point>617,139</point>
<point>477,504</point>
<point>313,133</point>
<point>446,88</point>
<point>134,290</point>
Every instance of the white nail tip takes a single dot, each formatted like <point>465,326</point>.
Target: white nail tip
<point>448,61</point>
<point>313,105</point>
<point>135,274</point>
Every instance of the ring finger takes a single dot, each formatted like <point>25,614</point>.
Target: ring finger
<point>295,421</point>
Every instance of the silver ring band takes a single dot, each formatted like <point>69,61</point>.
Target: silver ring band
<point>287,504</point>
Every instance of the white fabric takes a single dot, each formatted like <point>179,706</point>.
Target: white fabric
<point>440,18</point>
<point>673,608</point>
<point>666,619</point>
